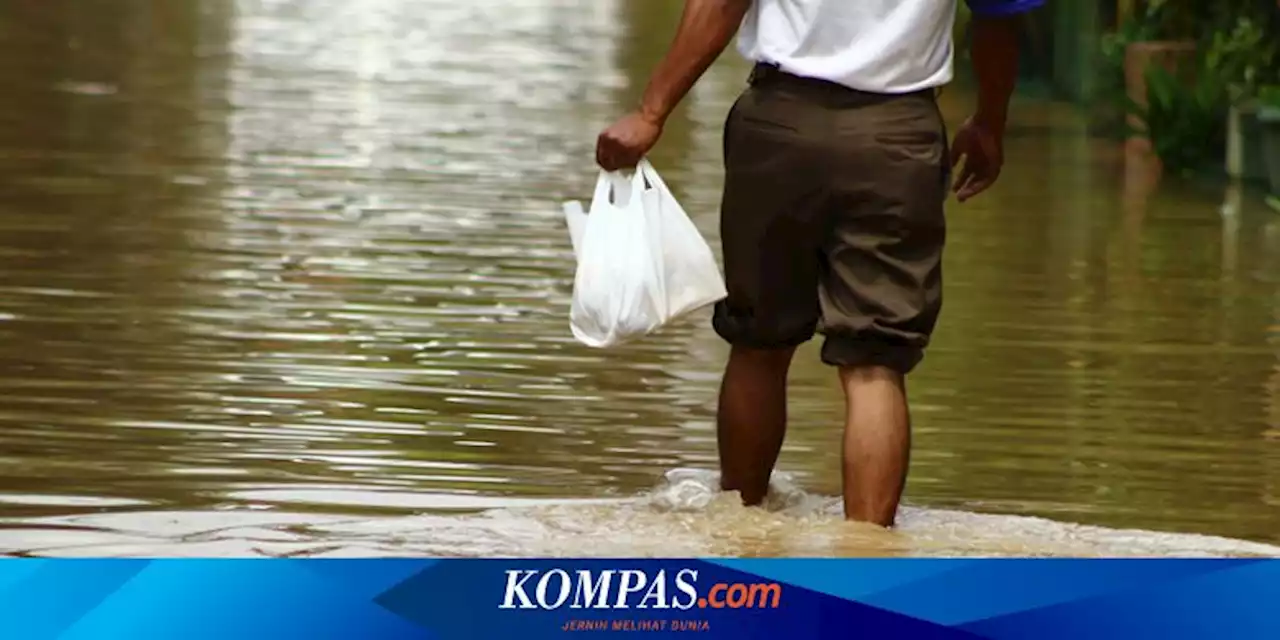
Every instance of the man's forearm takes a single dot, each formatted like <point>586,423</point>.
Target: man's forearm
<point>995,65</point>
<point>706,28</point>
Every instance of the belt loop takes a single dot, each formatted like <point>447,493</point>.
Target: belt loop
<point>760,72</point>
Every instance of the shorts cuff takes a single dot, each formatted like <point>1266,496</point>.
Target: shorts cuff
<point>748,331</point>
<point>849,351</point>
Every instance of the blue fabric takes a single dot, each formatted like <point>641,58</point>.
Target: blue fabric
<point>1002,7</point>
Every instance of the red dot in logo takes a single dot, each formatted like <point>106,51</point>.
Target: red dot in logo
<point>702,603</point>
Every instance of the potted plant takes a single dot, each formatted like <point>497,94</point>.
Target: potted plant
<point>1244,56</point>
<point>1107,115</point>
<point>1163,35</point>
<point>1181,121</point>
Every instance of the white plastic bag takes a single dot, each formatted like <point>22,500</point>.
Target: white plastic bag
<point>641,261</point>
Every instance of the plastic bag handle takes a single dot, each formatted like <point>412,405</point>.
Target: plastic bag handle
<point>651,175</point>
<point>604,187</point>
<point>608,183</point>
<point>640,181</point>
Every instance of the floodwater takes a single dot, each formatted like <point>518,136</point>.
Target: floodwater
<point>291,278</point>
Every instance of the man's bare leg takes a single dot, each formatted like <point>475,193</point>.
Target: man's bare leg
<point>877,443</point>
<point>752,419</point>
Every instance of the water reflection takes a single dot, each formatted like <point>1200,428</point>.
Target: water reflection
<point>273,269</point>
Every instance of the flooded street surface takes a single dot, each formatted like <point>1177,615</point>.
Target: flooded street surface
<point>291,278</point>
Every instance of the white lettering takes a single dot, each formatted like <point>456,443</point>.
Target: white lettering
<point>632,582</point>
<point>686,587</point>
<point>588,590</point>
<point>657,591</point>
<point>541,592</point>
<point>515,589</point>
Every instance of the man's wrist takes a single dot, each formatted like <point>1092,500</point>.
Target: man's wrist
<point>651,114</point>
<point>991,119</point>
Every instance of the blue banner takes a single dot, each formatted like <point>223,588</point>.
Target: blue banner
<point>467,599</point>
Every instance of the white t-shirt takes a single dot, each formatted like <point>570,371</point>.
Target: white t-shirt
<point>881,46</point>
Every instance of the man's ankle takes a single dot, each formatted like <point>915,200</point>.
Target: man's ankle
<point>752,495</point>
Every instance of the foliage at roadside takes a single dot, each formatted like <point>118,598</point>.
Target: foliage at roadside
<point>1184,120</point>
<point>1237,60</point>
<point>1269,96</point>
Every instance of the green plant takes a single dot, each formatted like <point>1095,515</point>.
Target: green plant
<point>1153,21</point>
<point>1114,45</point>
<point>1269,96</point>
<point>1177,19</point>
<point>1237,55</point>
<point>1244,56</point>
<point>1111,91</point>
<point>1182,119</point>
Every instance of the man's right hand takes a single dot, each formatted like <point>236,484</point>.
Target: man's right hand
<point>627,141</point>
<point>706,27</point>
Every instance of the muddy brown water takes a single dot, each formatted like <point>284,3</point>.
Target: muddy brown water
<point>291,278</point>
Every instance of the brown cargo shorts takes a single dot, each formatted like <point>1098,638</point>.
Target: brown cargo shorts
<point>832,220</point>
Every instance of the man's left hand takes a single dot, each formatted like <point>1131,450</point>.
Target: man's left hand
<point>981,145</point>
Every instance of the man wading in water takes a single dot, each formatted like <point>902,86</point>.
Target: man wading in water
<point>836,171</point>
